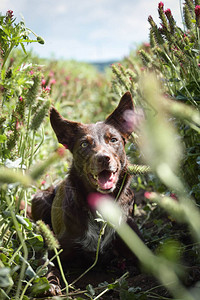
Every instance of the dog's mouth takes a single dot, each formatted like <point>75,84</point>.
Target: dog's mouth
<point>104,180</point>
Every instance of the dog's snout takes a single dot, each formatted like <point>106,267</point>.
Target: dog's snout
<point>103,159</point>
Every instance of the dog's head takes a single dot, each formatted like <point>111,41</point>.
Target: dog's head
<point>98,149</point>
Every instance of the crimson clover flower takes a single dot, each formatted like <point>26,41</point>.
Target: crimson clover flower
<point>197,13</point>
<point>197,10</point>
<point>160,5</point>
<point>43,82</point>
<point>168,12</point>
<point>9,14</point>
<point>171,20</point>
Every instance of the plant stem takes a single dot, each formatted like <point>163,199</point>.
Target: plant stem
<point>41,142</point>
<point>6,56</point>
<point>62,273</point>
<point>21,238</point>
<point>32,149</point>
<point>121,187</point>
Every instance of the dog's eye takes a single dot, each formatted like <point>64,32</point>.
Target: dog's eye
<point>84,144</point>
<point>113,140</point>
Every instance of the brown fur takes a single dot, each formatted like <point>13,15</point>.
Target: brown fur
<point>99,165</point>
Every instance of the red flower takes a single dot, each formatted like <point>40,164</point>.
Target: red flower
<point>197,13</point>
<point>47,89</point>
<point>173,196</point>
<point>197,10</point>
<point>43,82</point>
<point>150,18</point>
<point>168,12</point>
<point>147,195</point>
<point>9,14</point>
<point>146,45</point>
<point>160,5</point>
<point>61,151</point>
<point>52,81</point>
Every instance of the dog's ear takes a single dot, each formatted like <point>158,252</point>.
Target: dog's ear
<point>122,118</point>
<point>66,131</point>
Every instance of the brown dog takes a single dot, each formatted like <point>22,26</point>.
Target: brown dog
<point>99,166</point>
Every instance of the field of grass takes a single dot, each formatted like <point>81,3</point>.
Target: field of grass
<point>164,80</point>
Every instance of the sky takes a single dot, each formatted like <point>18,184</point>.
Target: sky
<point>88,30</point>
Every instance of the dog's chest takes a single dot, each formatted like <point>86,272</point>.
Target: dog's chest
<point>90,239</point>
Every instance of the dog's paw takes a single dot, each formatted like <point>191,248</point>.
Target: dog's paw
<point>54,290</point>
<point>53,277</point>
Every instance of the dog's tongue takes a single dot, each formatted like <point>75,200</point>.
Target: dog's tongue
<point>105,180</point>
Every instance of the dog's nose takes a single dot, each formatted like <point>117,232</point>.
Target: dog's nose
<point>103,158</point>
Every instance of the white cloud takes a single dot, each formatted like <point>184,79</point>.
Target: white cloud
<point>79,50</point>
<point>86,29</point>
